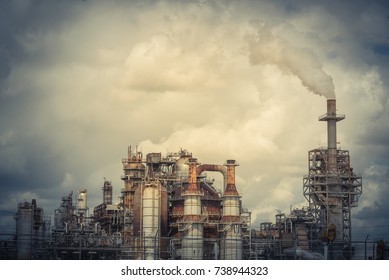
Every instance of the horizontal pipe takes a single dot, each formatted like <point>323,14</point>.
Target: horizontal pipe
<point>214,168</point>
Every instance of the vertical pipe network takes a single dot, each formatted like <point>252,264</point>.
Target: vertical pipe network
<point>192,243</point>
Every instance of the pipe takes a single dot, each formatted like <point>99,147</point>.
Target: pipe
<point>214,168</point>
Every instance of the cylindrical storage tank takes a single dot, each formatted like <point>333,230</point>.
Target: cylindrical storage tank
<point>24,220</point>
<point>150,220</point>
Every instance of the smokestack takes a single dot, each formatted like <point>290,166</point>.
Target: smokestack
<point>192,242</point>
<point>192,162</point>
<point>331,118</point>
<point>231,245</point>
<point>231,188</point>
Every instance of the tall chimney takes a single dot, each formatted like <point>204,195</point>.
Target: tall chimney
<point>331,118</point>
<point>192,175</point>
<point>231,188</point>
<point>192,241</point>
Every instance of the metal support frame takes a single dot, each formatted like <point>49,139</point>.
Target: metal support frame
<point>319,190</point>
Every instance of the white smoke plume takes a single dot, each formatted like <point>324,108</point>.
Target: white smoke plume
<point>267,48</point>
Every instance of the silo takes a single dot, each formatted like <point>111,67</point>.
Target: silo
<point>150,220</point>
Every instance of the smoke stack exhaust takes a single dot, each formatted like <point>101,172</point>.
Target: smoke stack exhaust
<point>192,175</point>
<point>231,188</point>
<point>331,118</point>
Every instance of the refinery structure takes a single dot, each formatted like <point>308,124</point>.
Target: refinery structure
<point>169,208</point>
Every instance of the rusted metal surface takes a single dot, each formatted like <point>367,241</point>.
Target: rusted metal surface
<point>231,188</point>
<point>192,188</point>
<point>214,168</point>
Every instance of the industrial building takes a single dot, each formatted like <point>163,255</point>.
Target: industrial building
<point>332,188</point>
<point>169,208</point>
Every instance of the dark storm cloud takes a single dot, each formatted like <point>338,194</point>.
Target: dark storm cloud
<point>31,18</point>
<point>377,135</point>
<point>5,68</point>
<point>49,134</point>
<point>378,211</point>
<point>26,162</point>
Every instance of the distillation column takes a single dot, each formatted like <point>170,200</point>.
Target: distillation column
<point>231,244</point>
<point>82,209</point>
<point>107,192</point>
<point>134,173</point>
<point>150,220</point>
<point>193,228</point>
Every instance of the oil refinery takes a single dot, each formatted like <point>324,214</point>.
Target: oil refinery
<point>169,208</point>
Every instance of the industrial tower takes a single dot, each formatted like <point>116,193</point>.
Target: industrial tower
<point>332,189</point>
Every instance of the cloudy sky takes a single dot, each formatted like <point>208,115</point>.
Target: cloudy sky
<point>80,81</point>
